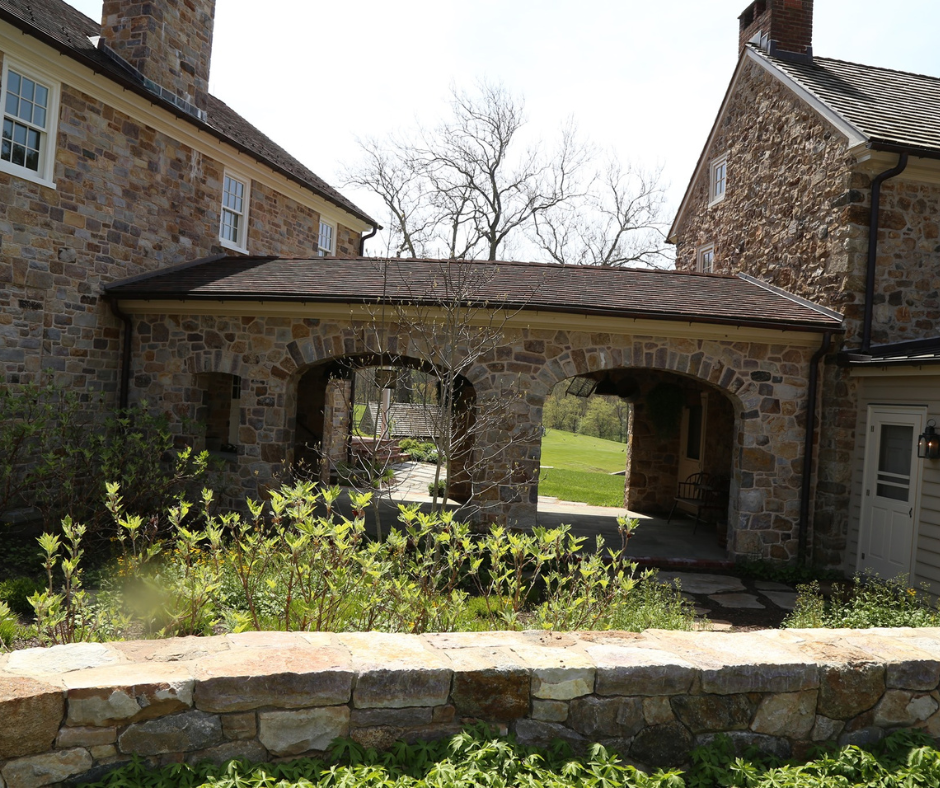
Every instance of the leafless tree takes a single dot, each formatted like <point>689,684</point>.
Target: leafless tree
<point>471,188</point>
<point>618,221</point>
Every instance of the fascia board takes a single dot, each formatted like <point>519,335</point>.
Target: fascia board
<point>531,319</point>
<point>77,75</point>
<point>854,135</point>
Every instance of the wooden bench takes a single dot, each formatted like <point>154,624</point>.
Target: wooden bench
<point>701,493</point>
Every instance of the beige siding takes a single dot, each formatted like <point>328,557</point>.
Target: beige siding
<point>914,390</point>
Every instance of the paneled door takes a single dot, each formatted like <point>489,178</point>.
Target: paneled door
<point>890,493</point>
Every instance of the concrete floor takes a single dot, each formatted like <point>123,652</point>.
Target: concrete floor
<point>655,542</point>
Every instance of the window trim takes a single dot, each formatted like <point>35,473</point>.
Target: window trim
<point>241,245</point>
<point>721,161</point>
<point>47,152</point>
<point>321,251</point>
<point>700,253</point>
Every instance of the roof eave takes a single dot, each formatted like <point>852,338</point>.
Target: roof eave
<point>135,87</point>
<point>675,317</point>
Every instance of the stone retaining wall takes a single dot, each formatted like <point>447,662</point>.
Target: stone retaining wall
<point>70,712</point>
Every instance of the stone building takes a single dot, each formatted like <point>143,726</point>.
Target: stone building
<point>116,161</point>
<point>822,177</point>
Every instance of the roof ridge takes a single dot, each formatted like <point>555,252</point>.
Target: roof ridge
<point>535,264</point>
<point>877,68</point>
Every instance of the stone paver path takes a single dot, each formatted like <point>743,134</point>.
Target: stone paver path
<point>717,596</point>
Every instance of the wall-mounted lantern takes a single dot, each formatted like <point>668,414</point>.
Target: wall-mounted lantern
<point>928,444</point>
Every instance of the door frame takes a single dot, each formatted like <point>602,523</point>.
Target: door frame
<point>869,470</point>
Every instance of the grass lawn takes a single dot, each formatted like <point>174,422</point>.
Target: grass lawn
<point>580,467</point>
<point>597,489</point>
<point>572,452</point>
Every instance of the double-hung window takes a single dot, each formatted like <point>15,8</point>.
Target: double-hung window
<point>706,259</point>
<point>718,180</point>
<point>233,228</point>
<point>326,239</point>
<point>27,136</point>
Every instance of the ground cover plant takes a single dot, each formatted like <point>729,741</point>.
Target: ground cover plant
<point>295,563</point>
<point>475,757</point>
<point>866,601</point>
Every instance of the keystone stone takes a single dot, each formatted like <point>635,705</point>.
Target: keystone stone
<point>702,713</point>
<point>595,717</point>
<point>53,767</point>
<point>243,678</point>
<point>847,690</point>
<point>294,732</point>
<point>192,730</point>
<point>790,714</point>
<point>30,713</point>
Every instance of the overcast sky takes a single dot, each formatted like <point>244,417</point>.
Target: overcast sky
<point>644,78</point>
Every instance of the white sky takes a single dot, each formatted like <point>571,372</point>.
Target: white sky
<point>641,77</point>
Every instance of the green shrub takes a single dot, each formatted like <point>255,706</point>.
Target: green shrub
<point>868,601</point>
<point>419,451</point>
<point>438,489</point>
<point>9,626</point>
<point>16,592</point>
<point>286,567</point>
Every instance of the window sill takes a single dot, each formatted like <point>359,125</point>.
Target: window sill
<point>716,200</point>
<point>233,247</point>
<point>26,175</point>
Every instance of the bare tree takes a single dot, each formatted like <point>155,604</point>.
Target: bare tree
<point>466,187</point>
<point>470,188</point>
<point>618,221</point>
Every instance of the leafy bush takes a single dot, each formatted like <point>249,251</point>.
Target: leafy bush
<point>470,759</point>
<point>420,451</point>
<point>475,757</point>
<point>16,592</point>
<point>287,567</point>
<point>9,626</point>
<point>57,452</point>
<point>437,489</point>
<point>868,601</point>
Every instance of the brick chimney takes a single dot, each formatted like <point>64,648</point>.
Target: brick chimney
<point>168,41</point>
<point>782,27</point>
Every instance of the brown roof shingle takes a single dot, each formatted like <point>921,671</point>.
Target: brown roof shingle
<point>889,107</point>
<point>621,292</point>
<point>68,30</point>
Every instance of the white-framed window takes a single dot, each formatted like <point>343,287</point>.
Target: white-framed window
<point>718,180</point>
<point>233,225</point>
<point>30,105</point>
<point>327,239</point>
<point>705,259</point>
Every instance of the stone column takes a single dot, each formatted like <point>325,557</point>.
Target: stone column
<point>336,420</point>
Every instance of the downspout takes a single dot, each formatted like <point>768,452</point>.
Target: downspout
<point>810,436</point>
<point>364,238</point>
<point>873,246</point>
<point>125,354</point>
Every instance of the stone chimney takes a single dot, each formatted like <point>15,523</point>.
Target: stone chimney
<point>783,28</point>
<point>169,42</point>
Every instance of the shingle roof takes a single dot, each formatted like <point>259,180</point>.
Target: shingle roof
<point>68,30</point>
<point>620,292</point>
<point>888,107</point>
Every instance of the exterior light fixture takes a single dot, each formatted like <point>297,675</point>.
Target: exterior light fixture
<point>386,378</point>
<point>928,444</point>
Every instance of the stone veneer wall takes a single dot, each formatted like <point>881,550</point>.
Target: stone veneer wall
<point>766,384</point>
<point>77,710</point>
<point>128,200</point>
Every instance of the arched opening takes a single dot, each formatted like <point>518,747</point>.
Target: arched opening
<point>365,411</point>
<point>675,435</point>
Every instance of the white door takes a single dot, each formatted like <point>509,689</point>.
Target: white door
<point>890,490</point>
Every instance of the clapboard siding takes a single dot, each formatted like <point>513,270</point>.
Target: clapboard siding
<point>911,391</point>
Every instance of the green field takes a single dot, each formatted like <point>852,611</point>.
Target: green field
<point>579,467</point>
<point>569,451</point>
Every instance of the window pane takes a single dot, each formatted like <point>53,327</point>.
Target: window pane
<point>19,133</point>
<point>14,86</point>
<point>39,116</point>
<point>27,88</point>
<point>19,155</point>
<point>894,453</point>
<point>13,104</point>
<point>32,160</point>
<point>42,96</point>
